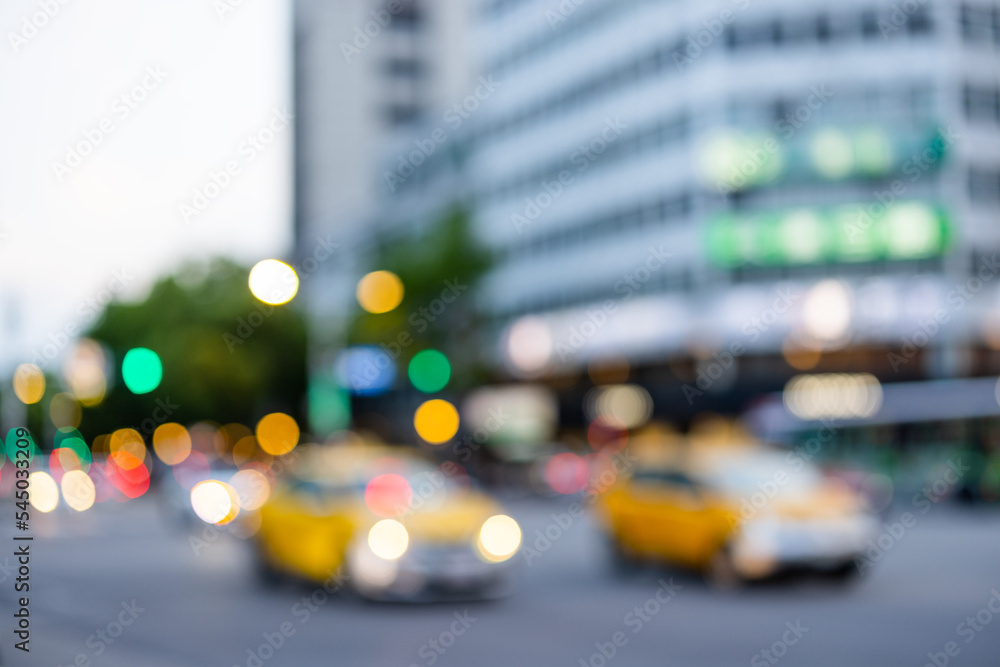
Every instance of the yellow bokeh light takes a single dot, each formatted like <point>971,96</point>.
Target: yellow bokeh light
<point>64,410</point>
<point>273,282</point>
<point>84,371</point>
<point>277,434</point>
<point>244,450</point>
<point>128,441</point>
<point>172,443</point>
<point>78,490</point>
<point>252,487</point>
<point>436,421</point>
<point>43,491</point>
<point>215,502</point>
<point>380,292</point>
<point>29,383</point>
<point>68,459</point>
<point>227,437</point>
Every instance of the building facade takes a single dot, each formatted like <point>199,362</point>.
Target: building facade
<point>723,194</point>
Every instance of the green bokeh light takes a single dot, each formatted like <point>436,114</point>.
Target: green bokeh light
<point>11,446</point>
<point>141,370</point>
<point>429,371</point>
<point>69,437</point>
<point>329,407</point>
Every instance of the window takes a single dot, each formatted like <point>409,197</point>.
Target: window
<point>869,25</point>
<point>977,24</point>
<point>920,22</point>
<point>984,185</point>
<point>669,478</point>
<point>409,17</point>
<point>409,68</point>
<point>401,114</point>
<point>981,103</point>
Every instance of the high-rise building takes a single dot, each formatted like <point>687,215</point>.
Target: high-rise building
<point>365,70</point>
<point>726,193</point>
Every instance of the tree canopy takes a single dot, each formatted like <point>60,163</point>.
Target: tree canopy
<point>226,356</point>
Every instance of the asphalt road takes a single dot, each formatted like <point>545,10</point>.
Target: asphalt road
<point>126,564</point>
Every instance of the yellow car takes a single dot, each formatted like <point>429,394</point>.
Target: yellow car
<point>388,524</point>
<point>737,514</point>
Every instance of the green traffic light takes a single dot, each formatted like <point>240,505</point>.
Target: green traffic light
<point>429,371</point>
<point>141,370</point>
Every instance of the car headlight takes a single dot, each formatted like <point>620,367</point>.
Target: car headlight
<point>388,539</point>
<point>499,538</point>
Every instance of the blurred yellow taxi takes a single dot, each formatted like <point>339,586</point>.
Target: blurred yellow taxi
<point>388,523</point>
<point>737,513</point>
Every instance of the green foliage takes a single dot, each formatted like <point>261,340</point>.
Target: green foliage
<point>444,258</point>
<point>226,356</point>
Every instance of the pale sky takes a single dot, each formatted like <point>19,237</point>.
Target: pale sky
<point>198,81</point>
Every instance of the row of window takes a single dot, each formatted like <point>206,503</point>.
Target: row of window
<point>752,274</point>
<point>823,28</point>
<point>895,106</point>
<point>553,36</point>
<point>602,84</point>
<point>651,137</point>
<point>639,216</point>
<point>662,281</point>
<point>683,282</point>
<point>647,65</point>
<point>867,25</point>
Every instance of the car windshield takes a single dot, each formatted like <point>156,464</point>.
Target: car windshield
<point>746,475</point>
<point>397,482</point>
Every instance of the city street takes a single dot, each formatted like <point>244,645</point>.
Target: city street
<point>126,564</point>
